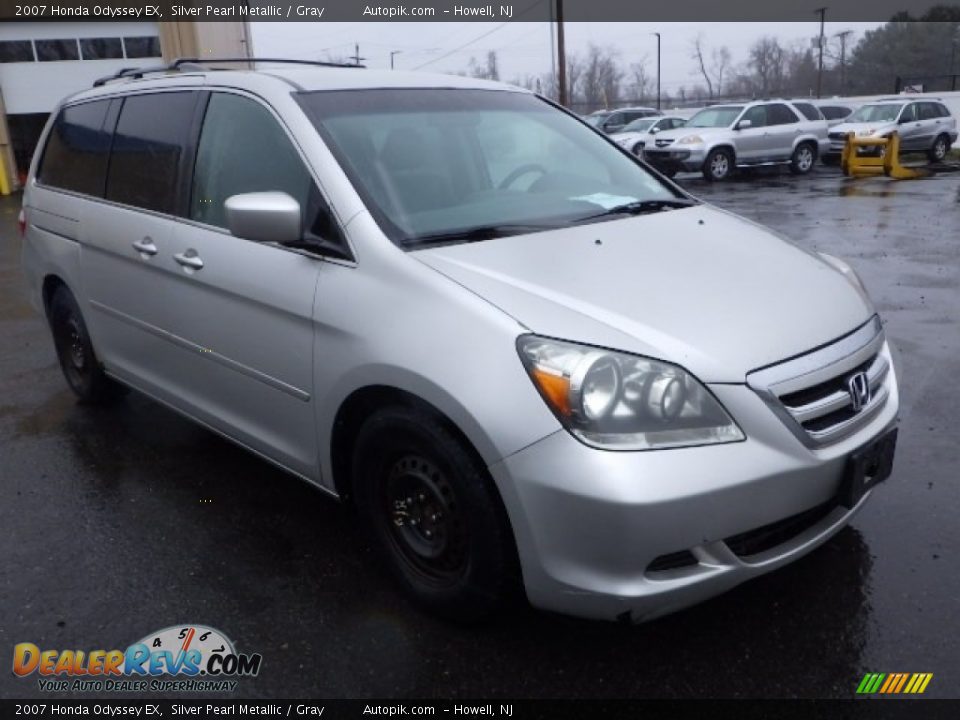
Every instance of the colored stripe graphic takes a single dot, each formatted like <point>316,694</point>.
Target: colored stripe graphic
<point>894,683</point>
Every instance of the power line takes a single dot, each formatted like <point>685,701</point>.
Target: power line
<point>481,36</point>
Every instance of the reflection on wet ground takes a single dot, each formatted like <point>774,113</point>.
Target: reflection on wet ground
<point>121,521</point>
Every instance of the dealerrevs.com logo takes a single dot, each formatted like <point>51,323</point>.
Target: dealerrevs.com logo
<point>178,658</point>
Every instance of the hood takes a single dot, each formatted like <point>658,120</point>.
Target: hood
<point>877,128</point>
<point>699,287</point>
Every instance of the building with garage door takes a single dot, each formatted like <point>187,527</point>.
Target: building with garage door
<point>43,62</point>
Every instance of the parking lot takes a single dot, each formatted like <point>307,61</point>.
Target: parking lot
<point>123,521</point>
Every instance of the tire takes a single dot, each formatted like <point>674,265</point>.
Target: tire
<point>718,165</point>
<point>637,149</point>
<point>434,514</point>
<point>79,362</point>
<point>939,150</point>
<point>803,159</point>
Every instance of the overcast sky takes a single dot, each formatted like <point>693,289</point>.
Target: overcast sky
<point>524,47</point>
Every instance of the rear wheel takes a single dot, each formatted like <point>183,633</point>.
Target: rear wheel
<point>75,352</point>
<point>941,146</point>
<point>803,159</point>
<point>434,514</point>
<point>718,165</point>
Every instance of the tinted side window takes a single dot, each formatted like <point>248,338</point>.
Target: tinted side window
<point>151,138</point>
<point>942,110</point>
<point>780,114</point>
<point>808,111</point>
<point>268,162</point>
<point>909,113</point>
<point>75,157</point>
<point>928,111</point>
<point>757,115</point>
<point>834,112</point>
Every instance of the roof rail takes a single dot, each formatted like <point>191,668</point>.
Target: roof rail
<point>193,64</point>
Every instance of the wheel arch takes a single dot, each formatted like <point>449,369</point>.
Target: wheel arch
<point>51,283</point>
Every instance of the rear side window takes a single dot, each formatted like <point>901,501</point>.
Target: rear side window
<point>75,157</point>
<point>928,111</point>
<point>942,109</point>
<point>779,114</point>
<point>149,145</point>
<point>835,112</point>
<point>808,111</point>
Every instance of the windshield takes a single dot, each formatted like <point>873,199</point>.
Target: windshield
<point>435,164</point>
<point>875,113</point>
<point>720,116</point>
<point>641,125</point>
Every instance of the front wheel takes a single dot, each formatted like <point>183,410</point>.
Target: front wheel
<point>434,513</point>
<point>941,146</point>
<point>75,352</point>
<point>718,165</point>
<point>803,159</point>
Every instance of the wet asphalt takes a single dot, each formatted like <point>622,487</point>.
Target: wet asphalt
<point>115,523</point>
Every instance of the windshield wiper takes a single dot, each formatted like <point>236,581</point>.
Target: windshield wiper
<point>474,234</point>
<point>641,207</point>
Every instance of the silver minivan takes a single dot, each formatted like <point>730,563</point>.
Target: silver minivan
<point>532,364</point>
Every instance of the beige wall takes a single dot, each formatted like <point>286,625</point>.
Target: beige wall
<point>205,39</point>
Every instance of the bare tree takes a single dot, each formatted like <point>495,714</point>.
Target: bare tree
<point>698,56</point>
<point>490,70</point>
<point>714,69</point>
<point>640,84</point>
<point>767,65</point>
<point>601,78</point>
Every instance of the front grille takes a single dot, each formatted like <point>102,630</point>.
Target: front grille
<point>663,142</point>
<point>822,396</point>
<point>761,539</point>
<point>830,404</point>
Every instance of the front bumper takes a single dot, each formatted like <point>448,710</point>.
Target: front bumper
<point>686,158</point>
<point>590,523</point>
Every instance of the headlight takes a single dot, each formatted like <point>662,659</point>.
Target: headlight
<point>690,140</point>
<point>616,401</point>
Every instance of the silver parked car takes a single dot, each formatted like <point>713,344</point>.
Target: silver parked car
<point>924,125</point>
<point>637,134</point>
<point>720,138</point>
<point>613,121</point>
<point>527,361</point>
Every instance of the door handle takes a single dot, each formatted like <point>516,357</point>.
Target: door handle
<point>145,246</point>
<point>189,259</point>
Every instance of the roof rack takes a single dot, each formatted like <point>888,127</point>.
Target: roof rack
<point>194,64</point>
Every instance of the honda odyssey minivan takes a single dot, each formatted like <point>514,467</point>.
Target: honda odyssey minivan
<point>530,362</point>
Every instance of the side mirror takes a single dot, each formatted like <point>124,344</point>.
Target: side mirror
<point>743,124</point>
<point>654,130</point>
<point>264,217</point>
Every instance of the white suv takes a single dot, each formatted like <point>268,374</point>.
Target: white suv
<point>720,138</point>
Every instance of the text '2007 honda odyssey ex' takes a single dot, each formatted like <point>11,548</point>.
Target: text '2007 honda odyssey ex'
<point>526,358</point>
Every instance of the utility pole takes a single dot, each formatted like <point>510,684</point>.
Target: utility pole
<point>823,14</point>
<point>392,53</point>
<point>561,56</point>
<point>356,54</point>
<point>843,58</point>
<point>658,69</point>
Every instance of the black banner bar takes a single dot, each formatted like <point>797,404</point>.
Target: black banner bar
<point>461,10</point>
<point>912,709</point>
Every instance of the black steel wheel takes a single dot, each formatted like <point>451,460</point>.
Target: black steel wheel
<point>79,362</point>
<point>434,513</point>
